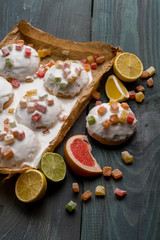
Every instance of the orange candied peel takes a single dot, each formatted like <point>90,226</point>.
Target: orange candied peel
<point>125,105</point>
<point>86,195</point>
<point>75,187</point>
<point>116,173</point>
<point>102,110</point>
<point>87,67</point>
<point>44,52</point>
<point>140,88</point>
<point>114,118</point>
<point>150,82</point>
<point>107,171</point>
<point>106,123</point>
<point>114,107</point>
<point>96,95</point>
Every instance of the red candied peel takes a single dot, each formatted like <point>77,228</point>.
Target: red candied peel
<point>81,152</point>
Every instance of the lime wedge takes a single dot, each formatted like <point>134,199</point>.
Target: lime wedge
<point>53,166</point>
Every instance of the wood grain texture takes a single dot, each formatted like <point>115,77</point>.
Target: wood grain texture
<point>134,26</point>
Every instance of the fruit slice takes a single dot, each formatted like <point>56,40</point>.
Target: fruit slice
<point>127,67</point>
<point>30,186</point>
<point>78,156</point>
<point>53,166</point>
<point>115,89</point>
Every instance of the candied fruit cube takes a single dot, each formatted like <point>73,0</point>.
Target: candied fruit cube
<point>43,96</point>
<point>125,105</point>
<point>96,56</point>
<point>12,123</point>
<point>114,119</point>
<point>96,95</point>
<point>59,64</point>
<point>10,47</point>
<point>139,96</point>
<point>11,110</point>
<point>86,195</point>
<point>102,110</point>
<point>71,206</point>
<point>63,85</point>
<point>112,101</point>
<point>116,173</point>
<point>144,74</point>
<point>18,133</point>
<point>23,103</point>
<point>5,51</point>
<point>106,123</point>
<point>150,82</point>
<point>75,187</point>
<point>91,120</point>
<point>107,171</point>
<point>87,67</point>
<point>31,107</point>
<point>90,59</point>
<point>66,72</point>
<point>6,128</point>
<point>72,78</point>
<point>19,47</point>
<point>7,152</point>
<point>98,103</point>
<point>140,88</point>
<point>8,62</point>
<point>15,83</point>
<point>93,65</point>
<point>9,138</point>
<point>41,106</point>
<point>51,63</point>
<point>29,79</point>
<point>127,157</point>
<point>114,107</point>
<point>132,94</point>
<point>66,65</point>
<point>2,135</point>
<point>34,98</point>
<point>40,73</point>
<point>130,117</point>
<point>78,71</point>
<point>100,60</point>
<point>27,52</point>
<point>46,131</point>
<point>83,61</point>
<point>20,41</point>
<point>123,116</point>
<point>151,70</point>
<point>100,191</point>
<point>30,45</point>
<point>44,52</point>
<point>36,117</point>
<point>120,193</point>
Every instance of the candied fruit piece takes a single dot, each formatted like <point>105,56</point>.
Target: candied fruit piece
<point>100,191</point>
<point>20,41</point>
<point>125,105</point>
<point>91,120</point>
<point>107,171</point>
<point>40,73</point>
<point>36,117</point>
<point>71,206</point>
<point>15,83</point>
<point>7,152</point>
<point>9,138</point>
<point>120,193</point>
<point>116,173</point>
<point>44,52</point>
<point>2,135</point>
<point>87,67</point>
<point>130,117</point>
<point>123,116</point>
<point>51,63</point>
<point>98,103</point>
<point>11,110</point>
<point>114,118</point>
<point>106,123</point>
<point>31,107</point>
<point>112,101</point>
<point>84,61</point>
<point>5,51</point>
<point>19,47</point>
<point>86,195</point>
<point>75,187</point>
<point>29,79</point>
<point>96,56</point>
<point>102,110</point>
<point>144,74</point>
<point>41,106</point>
<point>150,82</point>
<point>114,107</point>
<point>90,59</point>
<point>132,94</point>
<point>140,88</point>
<point>27,52</point>
<point>127,157</point>
<point>8,62</point>
<point>93,65</point>
<point>100,60</point>
<point>96,95</point>
<point>151,70</point>
<point>139,96</point>
<point>46,131</point>
<point>59,64</point>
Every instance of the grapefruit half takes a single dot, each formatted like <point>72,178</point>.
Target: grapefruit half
<point>77,154</point>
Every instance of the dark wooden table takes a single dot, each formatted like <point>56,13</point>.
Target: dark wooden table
<point>134,26</point>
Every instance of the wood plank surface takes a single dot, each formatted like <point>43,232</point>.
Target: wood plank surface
<point>134,26</point>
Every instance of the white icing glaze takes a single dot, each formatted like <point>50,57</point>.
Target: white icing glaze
<point>48,119</point>
<point>73,88</point>
<point>22,66</point>
<point>115,132</point>
<point>25,149</point>
<point>5,92</point>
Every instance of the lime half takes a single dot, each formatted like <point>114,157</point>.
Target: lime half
<point>53,166</point>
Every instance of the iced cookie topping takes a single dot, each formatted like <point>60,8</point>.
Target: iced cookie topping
<point>38,110</point>
<point>17,144</point>
<point>18,61</point>
<point>111,122</point>
<point>6,92</point>
<point>66,79</point>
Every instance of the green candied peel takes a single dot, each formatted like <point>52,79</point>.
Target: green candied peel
<point>71,206</point>
<point>91,120</point>
<point>10,47</point>
<point>63,85</point>
<point>8,62</point>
